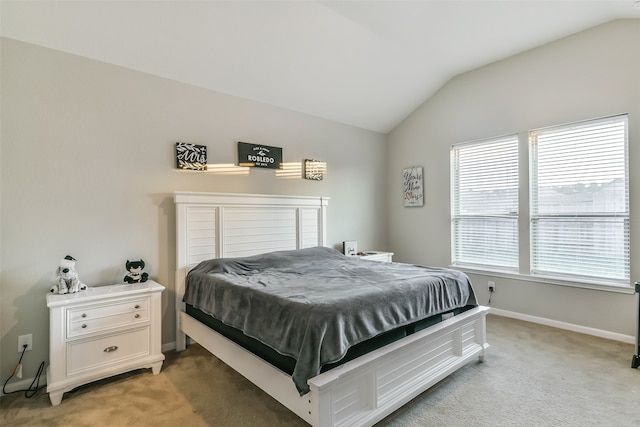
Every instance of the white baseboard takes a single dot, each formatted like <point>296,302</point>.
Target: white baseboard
<point>563,325</point>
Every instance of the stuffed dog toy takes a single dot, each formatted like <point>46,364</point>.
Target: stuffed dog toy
<point>68,282</point>
<point>135,273</point>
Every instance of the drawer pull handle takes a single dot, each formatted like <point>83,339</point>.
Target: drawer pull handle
<point>137,306</point>
<point>110,349</point>
<point>137,316</point>
<point>84,325</point>
<point>84,315</point>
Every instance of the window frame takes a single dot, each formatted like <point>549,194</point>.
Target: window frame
<point>513,216</point>
<point>525,271</point>
<point>536,218</point>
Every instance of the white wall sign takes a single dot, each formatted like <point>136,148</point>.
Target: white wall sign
<point>350,247</point>
<point>412,186</point>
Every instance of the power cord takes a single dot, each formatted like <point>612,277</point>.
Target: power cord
<point>31,391</point>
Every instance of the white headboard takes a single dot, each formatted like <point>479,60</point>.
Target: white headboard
<point>223,225</point>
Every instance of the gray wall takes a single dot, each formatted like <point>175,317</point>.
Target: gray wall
<point>588,75</point>
<point>88,169</point>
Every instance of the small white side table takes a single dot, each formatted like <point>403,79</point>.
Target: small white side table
<point>101,332</point>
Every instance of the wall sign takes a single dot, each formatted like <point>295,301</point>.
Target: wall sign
<point>260,156</point>
<point>191,156</point>
<point>314,169</point>
<point>412,186</point>
<point>350,247</point>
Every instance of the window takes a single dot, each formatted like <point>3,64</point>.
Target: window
<point>579,190</point>
<point>484,204</point>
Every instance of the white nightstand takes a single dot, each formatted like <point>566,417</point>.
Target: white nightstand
<point>101,332</point>
<point>377,256</point>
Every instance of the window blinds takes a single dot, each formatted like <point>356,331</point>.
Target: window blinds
<point>484,177</point>
<point>579,191</point>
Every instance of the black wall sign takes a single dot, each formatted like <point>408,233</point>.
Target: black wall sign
<point>260,156</point>
<point>191,157</point>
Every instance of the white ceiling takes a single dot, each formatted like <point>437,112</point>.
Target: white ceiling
<point>364,63</point>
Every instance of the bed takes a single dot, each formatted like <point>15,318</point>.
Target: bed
<point>360,391</point>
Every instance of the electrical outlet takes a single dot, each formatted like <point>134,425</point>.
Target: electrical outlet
<point>25,339</point>
<point>491,286</point>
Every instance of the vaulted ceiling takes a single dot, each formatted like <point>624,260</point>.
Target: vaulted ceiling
<point>363,63</point>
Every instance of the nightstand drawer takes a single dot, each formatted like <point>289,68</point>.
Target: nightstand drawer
<point>89,327</point>
<point>128,306</point>
<point>92,354</point>
<point>85,321</point>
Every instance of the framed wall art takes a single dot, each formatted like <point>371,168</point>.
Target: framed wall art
<point>350,247</point>
<point>412,183</point>
<point>191,156</point>
<point>259,156</point>
<point>314,169</point>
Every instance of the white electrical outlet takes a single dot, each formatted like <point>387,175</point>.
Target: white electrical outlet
<point>491,286</point>
<point>25,340</point>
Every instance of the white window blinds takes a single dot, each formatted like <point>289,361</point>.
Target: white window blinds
<point>484,203</point>
<point>580,201</point>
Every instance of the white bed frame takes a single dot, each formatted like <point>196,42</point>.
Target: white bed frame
<point>360,392</point>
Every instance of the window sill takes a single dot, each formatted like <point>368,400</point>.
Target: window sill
<point>546,280</point>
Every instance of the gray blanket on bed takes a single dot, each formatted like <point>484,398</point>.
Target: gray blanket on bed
<point>313,304</point>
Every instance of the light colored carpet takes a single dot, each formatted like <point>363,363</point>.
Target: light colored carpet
<point>533,376</point>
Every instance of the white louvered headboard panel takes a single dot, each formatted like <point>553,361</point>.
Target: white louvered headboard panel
<point>222,225</point>
<point>201,223</point>
<point>310,227</point>
<point>251,230</point>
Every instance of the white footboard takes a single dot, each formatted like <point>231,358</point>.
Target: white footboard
<point>365,390</point>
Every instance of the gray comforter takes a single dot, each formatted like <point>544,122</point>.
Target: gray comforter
<point>313,304</point>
